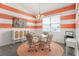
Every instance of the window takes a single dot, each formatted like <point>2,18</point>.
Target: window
<point>55,23</point>
<point>46,24</point>
<point>46,27</point>
<point>55,27</point>
<point>51,23</point>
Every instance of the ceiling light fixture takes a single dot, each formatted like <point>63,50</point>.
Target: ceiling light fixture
<point>39,16</point>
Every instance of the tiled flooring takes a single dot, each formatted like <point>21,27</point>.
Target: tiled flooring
<point>10,50</point>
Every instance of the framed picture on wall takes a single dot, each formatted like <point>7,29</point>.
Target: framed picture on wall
<point>18,23</point>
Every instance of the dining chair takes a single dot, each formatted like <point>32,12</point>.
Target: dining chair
<point>46,41</point>
<point>33,46</point>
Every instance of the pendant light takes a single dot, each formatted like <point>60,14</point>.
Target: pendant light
<point>39,16</point>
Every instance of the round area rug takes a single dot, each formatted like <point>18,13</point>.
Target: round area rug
<point>56,50</point>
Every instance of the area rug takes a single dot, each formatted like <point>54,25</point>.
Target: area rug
<point>56,50</point>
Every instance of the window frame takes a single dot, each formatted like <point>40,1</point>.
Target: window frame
<point>50,18</point>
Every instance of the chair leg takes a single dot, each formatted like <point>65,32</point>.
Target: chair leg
<point>49,47</point>
<point>29,48</point>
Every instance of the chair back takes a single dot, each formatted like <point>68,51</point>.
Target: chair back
<point>29,38</point>
<point>49,39</point>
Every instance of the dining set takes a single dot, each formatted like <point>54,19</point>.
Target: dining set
<point>39,42</point>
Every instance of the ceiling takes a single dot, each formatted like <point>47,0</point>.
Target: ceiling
<point>35,8</point>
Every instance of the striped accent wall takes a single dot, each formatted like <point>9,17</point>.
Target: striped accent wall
<point>7,13</point>
<point>68,21</point>
<point>67,15</point>
<point>6,7</point>
<point>77,22</point>
<point>77,14</point>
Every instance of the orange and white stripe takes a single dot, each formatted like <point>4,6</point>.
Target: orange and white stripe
<point>6,7</point>
<point>67,8</point>
<point>67,15</point>
<point>4,25</point>
<point>8,18</point>
<point>68,26</point>
<point>5,21</point>
<point>7,13</point>
<point>3,11</point>
<point>68,21</point>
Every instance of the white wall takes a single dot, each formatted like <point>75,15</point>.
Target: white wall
<point>59,36</point>
<point>5,36</point>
